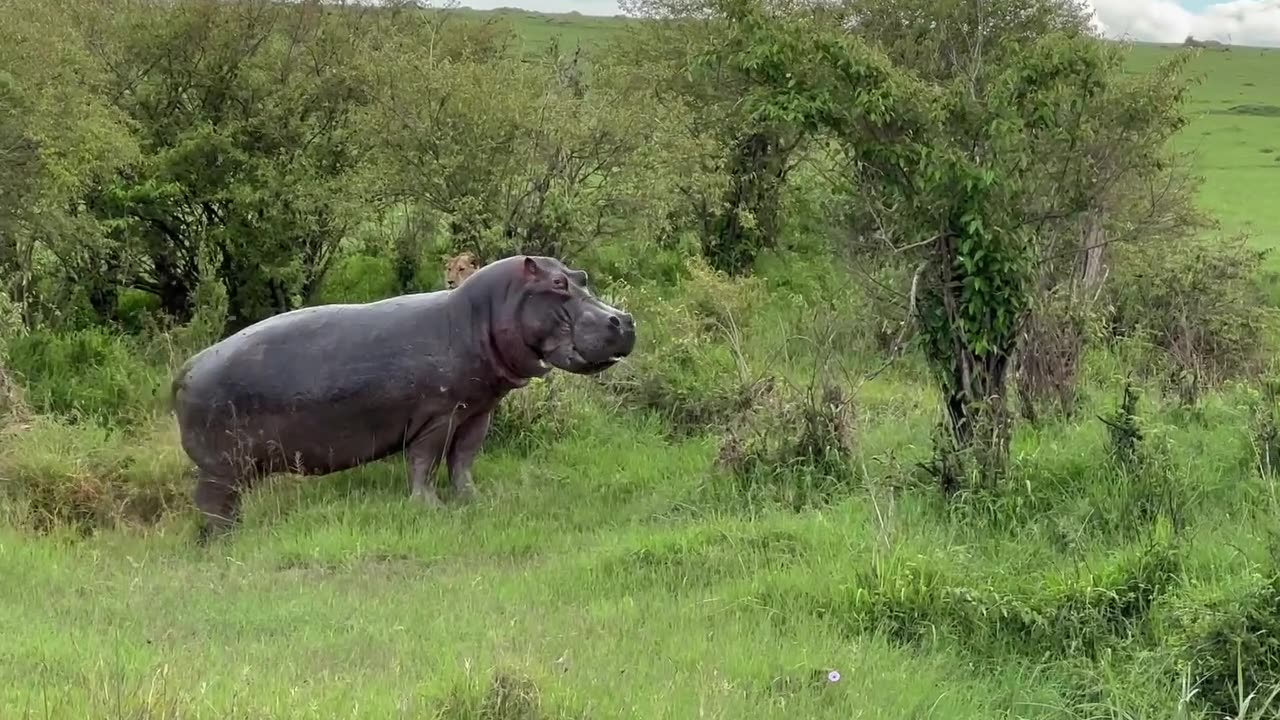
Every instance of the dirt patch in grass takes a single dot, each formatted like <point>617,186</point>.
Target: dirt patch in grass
<point>1253,110</point>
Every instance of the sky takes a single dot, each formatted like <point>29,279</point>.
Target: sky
<point>1240,22</point>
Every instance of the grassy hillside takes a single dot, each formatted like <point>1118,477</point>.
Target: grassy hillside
<point>1236,136</point>
<point>570,30</point>
<point>613,569</point>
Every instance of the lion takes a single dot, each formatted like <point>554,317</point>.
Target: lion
<point>459,268</point>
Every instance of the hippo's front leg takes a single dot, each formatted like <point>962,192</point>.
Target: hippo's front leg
<point>466,444</point>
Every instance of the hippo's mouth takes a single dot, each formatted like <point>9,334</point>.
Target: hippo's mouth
<point>579,365</point>
<point>600,366</point>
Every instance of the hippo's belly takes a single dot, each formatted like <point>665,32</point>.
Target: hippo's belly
<point>314,447</point>
<point>301,439</point>
<point>318,392</point>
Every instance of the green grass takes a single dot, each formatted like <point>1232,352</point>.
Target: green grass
<point>1237,149</point>
<point>601,569</point>
<point>571,30</point>
<point>610,572</point>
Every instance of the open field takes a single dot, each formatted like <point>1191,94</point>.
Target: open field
<point>1233,133</point>
<point>613,569</point>
<point>536,29</point>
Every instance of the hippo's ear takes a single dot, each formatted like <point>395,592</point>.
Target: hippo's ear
<point>531,268</point>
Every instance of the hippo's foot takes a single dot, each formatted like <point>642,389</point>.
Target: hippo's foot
<point>211,530</point>
<point>426,498</point>
<point>218,501</point>
<point>466,494</point>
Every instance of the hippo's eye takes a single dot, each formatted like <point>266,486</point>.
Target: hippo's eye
<point>561,283</point>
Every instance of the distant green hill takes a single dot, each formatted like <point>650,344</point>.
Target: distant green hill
<point>537,29</point>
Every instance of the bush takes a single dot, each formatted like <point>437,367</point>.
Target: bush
<point>86,374</point>
<point>535,416</point>
<point>11,323</point>
<point>13,406</point>
<point>1085,612</point>
<point>1230,638</point>
<point>1198,301</point>
<point>358,278</point>
<point>84,478</point>
<point>134,309</point>
<point>689,365</point>
<point>505,696</point>
<point>1050,356</point>
<point>1265,427</point>
<point>795,446</point>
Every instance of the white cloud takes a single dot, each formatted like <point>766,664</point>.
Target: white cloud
<point>1240,22</point>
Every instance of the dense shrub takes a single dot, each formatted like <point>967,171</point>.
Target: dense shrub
<point>537,415</point>
<point>1198,301</point>
<point>135,309</point>
<point>689,364</point>
<point>246,153</point>
<point>1050,356</point>
<point>82,477</point>
<point>793,444</point>
<point>500,696</point>
<point>922,600</point>
<point>1265,427</point>
<point>12,405</point>
<point>358,278</point>
<point>1229,635</point>
<point>86,374</point>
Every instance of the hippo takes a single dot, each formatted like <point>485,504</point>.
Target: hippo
<point>330,387</point>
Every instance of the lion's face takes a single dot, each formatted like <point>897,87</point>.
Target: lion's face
<point>458,268</point>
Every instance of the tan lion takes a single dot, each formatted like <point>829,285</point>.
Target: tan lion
<point>459,268</point>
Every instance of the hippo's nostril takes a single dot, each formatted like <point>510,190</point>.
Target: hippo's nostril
<point>614,321</point>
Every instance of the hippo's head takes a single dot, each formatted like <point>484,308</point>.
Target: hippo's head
<point>566,325</point>
<point>542,315</point>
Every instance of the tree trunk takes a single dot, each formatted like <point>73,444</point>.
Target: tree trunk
<point>173,289</point>
<point>974,443</point>
<point>977,414</point>
<point>757,174</point>
<point>1092,269</point>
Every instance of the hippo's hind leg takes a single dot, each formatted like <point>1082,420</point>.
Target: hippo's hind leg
<point>462,452</point>
<point>424,457</point>
<point>218,499</point>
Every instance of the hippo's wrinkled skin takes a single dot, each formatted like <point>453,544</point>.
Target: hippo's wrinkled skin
<point>326,388</point>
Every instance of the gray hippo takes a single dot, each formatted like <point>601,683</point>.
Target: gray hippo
<point>326,388</point>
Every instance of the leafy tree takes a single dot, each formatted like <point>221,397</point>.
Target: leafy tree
<point>941,40</point>
<point>520,155</point>
<point>245,113</point>
<point>971,172</point>
<point>58,137</point>
<point>686,51</point>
